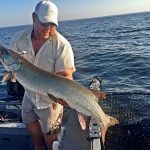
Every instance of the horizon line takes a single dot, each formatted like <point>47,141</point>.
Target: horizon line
<point>113,15</point>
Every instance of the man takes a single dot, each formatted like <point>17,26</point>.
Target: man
<point>43,46</point>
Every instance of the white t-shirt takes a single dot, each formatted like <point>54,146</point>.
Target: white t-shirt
<point>54,56</point>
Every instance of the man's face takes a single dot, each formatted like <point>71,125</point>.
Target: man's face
<point>43,30</point>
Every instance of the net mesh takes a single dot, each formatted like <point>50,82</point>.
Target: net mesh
<point>133,112</point>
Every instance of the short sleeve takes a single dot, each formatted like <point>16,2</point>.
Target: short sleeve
<point>65,58</point>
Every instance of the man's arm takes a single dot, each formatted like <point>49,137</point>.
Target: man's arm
<point>67,73</point>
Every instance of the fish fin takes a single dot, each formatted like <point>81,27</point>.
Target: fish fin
<point>13,78</point>
<point>62,102</point>
<point>112,121</point>
<point>6,77</point>
<point>82,120</point>
<point>52,97</point>
<point>98,94</point>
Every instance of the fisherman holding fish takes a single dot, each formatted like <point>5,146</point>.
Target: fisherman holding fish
<point>48,50</point>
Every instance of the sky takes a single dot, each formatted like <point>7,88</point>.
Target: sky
<point>19,12</point>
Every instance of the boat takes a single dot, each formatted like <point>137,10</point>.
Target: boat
<point>132,133</point>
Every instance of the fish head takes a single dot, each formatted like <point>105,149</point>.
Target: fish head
<point>9,61</point>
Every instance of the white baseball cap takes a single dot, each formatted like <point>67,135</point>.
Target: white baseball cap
<point>47,12</point>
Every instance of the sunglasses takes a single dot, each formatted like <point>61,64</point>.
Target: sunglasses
<point>49,24</point>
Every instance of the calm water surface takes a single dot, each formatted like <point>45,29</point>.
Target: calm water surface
<point>117,48</point>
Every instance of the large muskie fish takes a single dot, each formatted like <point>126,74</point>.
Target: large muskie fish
<point>75,95</point>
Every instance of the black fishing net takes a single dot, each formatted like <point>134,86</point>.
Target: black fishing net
<point>133,112</point>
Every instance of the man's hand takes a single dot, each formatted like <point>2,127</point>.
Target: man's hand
<point>99,95</point>
<point>62,102</point>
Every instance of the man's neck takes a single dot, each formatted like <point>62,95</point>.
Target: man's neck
<point>37,42</point>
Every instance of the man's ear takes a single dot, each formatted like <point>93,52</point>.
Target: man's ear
<point>33,16</point>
